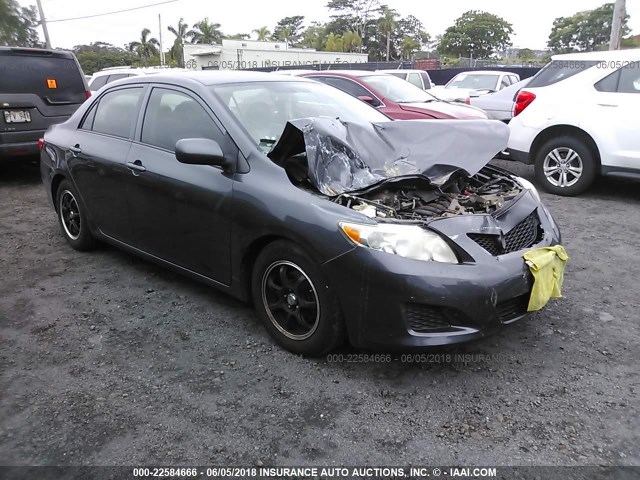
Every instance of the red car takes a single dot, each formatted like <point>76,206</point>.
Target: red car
<point>395,97</point>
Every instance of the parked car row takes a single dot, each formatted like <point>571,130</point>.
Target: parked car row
<point>301,192</point>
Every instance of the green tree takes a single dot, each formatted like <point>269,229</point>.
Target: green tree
<point>525,53</point>
<point>289,29</point>
<point>630,42</point>
<point>206,32</point>
<point>146,47</point>
<point>584,31</point>
<point>99,55</point>
<point>476,34</point>
<point>314,36</point>
<point>263,33</point>
<point>351,42</point>
<point>352,15</point>
<point>284,35</point>
<point>387,24</point>
<point>410,26</point>
<point>182,33</point>
<point>18,25</point>
<point>238,36</point>
<point>334,43</point>
<point>408,47</point>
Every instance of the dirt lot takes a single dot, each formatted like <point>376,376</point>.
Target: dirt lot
<point>106,359</point>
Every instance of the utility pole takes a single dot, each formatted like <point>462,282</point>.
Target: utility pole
<point>161,50</point>
<point>619,12</point>
<point>43,21</point>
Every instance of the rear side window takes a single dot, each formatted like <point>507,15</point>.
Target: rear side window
<point>117,76</point>
<point>624,80</point>
<point>117,112</point>
<point>630,78</point>
<point>55,79</point>
<point>98,82</point>
<point>426,80</point>
<point>558,70</point>
<point>415,79</point>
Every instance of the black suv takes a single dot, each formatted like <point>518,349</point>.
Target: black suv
<point>37,89</point>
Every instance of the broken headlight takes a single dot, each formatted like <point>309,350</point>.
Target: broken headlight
<point>405,240</point>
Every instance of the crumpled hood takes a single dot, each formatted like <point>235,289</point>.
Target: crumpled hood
<point>453,110</point>
<point>344,157</point>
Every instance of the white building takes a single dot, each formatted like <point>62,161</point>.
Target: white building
<point>241,54</point>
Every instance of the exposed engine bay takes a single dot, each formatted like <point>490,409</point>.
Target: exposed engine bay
<point>486,192</point>
<point>399,171</point>
<point>339,157</point>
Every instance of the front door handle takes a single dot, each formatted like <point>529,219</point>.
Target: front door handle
<point>613,105</point>
<point>136,166</point>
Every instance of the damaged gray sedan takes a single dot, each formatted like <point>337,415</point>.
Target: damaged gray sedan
<point>338,223</point>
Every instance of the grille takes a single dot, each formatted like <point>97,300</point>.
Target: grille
<point>524,235</point>
<point>513,308</point>
<point>425,318</point>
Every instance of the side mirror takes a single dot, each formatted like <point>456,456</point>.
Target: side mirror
<point>366,99</point>
<point>200,151</point>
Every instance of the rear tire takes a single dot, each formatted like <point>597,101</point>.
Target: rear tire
<point>565,166</point>
<point>295,302</point>
<point>72,218</point>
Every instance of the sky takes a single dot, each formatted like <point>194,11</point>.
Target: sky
<point>531,21</point>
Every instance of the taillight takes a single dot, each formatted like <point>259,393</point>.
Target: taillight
<point>40,143</point>
<point>523,100</point>
<point>87,94</point>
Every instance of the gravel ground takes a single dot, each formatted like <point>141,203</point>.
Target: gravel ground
<point>106,359</point>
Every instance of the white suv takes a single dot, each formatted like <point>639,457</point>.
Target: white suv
<point>579,118</point>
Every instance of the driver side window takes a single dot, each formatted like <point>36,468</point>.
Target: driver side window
<point>172,115</point>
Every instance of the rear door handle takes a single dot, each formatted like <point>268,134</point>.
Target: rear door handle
<point>75,150</point>
<point>612,105</point>
<point>136,166</point>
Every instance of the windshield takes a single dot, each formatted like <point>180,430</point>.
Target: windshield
<point>397,90</point>
<point>264,108</point>
<point>474,82</point>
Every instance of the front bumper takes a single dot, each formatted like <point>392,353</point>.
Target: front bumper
<point>390,302</point>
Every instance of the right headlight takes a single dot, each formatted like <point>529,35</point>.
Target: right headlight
<point>405,240</point>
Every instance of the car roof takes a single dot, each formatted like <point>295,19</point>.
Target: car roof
<point>348,73</point>
<point>293,71</point>
<point>632,54</point>
<point>37,51</point>
<point>213,77</point>
<point>485,72</point>
<point>136,70</point>
<point>400,70</point>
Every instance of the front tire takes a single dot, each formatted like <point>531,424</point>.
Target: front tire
<point>72,218</point>
<point>565,166</point>
<point>295,302</point>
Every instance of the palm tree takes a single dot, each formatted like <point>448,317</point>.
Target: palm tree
<point>263,34</point>
<point>388,25</point>
<point>408,47</point>
<point>284,35</point>
<point>146,47</point>
<point>182,33</point>
<point>206,32</point>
